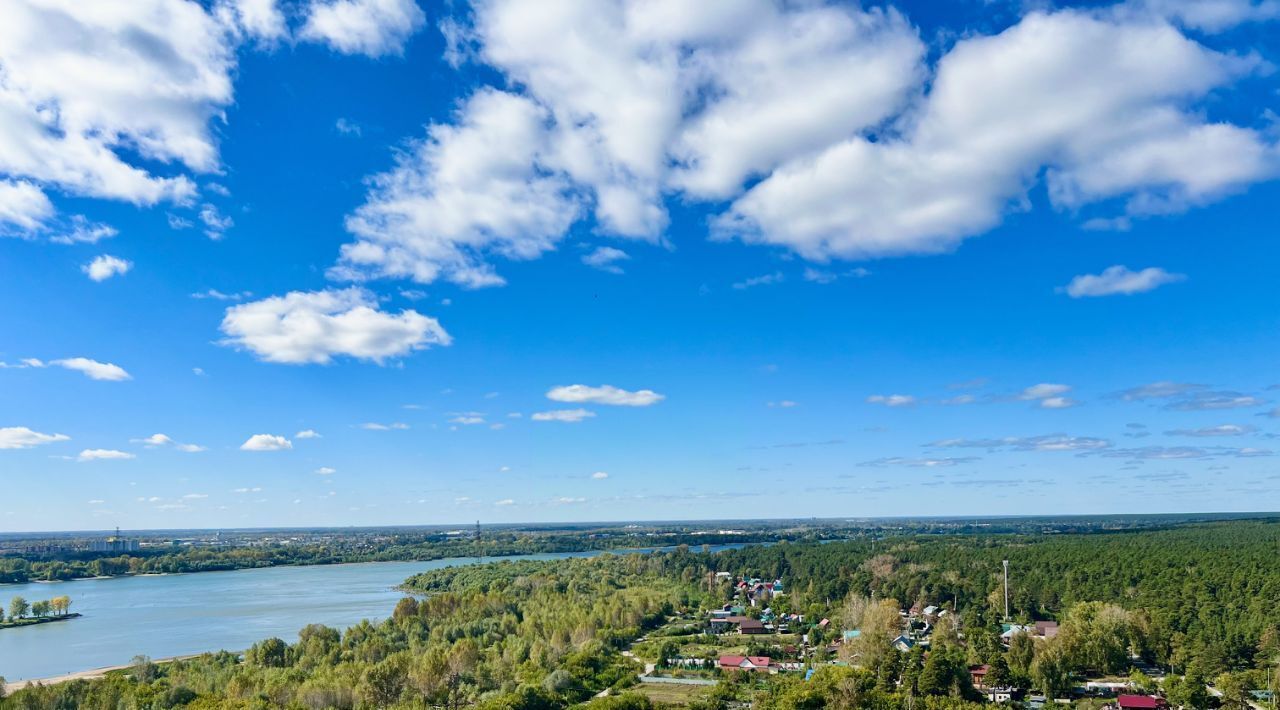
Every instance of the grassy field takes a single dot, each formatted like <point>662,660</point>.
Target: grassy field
<point>671,693</point>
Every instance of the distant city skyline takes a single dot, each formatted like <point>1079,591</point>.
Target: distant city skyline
<point>608,261</point>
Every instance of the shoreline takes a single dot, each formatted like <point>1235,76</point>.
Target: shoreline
<point>36,621</point>
<point>90,674</point>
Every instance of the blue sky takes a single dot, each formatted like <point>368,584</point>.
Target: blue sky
<point>370,262</point>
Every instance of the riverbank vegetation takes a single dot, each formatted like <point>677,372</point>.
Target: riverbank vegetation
<point>24,613</point>
<point>1197,604</point>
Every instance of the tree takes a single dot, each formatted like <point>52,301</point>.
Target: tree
<point>1235,691</point>
<point>40,609</point>
<point>1021,653</point>
<point>18,608</point>
<point>1051,671</point>
<point>881,623</point>
<point>1186,692</point>
<point>61,605</point>
<point>999,675</point>
<point>1142,683</point>
<point>946,673</point>
<point>271,653</point>
<point>142,669</point>
<point>384,682</point>
<point>1095,635</point>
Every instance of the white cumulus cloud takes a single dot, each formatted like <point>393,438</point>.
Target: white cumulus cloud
<point>169,64</point>
<point>562,415</point>
<point>20,437</point>
<point>105,266</point>
<point>606,259</point>
<point>93,369</point>
<point>266,442</point>
<point>892,400</point>
<point>314,327</point>
<point>828,128</point>
<point>371,27</point>
<point>604,394</point>
<point>104,455</point>
<point>1120,280</point>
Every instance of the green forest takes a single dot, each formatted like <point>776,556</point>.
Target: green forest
<point>1198,604</point>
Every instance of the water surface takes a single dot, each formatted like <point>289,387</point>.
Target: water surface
<point>175,615</point>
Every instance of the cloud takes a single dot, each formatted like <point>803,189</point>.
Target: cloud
<point>82,231</point>
<point>1211,16</point>
<point>266,442</point>
<point>104,455</point>
<point>260,19</point>
<point>1045,442</point>
<point>1120,280</point>
<point>504,502</point>
<point>828,130</point>
<point>1059,95</point>
<point>605,259</point>
<point>765,280</point>
<point>892,400</point>
<point>376,426</point>
<point>307,434</point>
<point>1157,390</point>
<point>921,462</point>
<point>960,399</point>
<point>563,415</point>
<point>163,440</point>
<point>313,327</point>
<point>467,419</point>
<point>92,369</point>
<point>604,394</point>
<point>468,190</point>
<point>195,496</point>
<point>1043,390</point>
<point>105,266</point>
<point>23,205</point>
<point>215,223</point>
<point>347,127</point>
<point>567,500</point>
<point>1220,430</point>
<point>1169,453</point>
<point>326,471</point>
<point>599,475</point>
<point>20,437</point>
<point>371,27</point>
<point>1208,400</point>
<point>171,64</point>
<point>1048,396</point>
<point>784,404</point>
<point>217,295</point>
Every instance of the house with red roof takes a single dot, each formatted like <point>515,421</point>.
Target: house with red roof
<point>744,663</point>
<point>1140,702</point>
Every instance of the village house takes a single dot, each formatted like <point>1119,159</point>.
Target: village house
<point>1045,629</point>
<point>1138,702</point>
<point>751,626</point>
<point>978,674</point>
<point>744,663</point>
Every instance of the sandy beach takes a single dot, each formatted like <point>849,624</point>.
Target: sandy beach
<point>90,674</point>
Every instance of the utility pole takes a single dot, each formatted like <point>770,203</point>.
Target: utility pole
<point>1006,590</point>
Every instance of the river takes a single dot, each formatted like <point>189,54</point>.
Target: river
<point>175,615</point>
